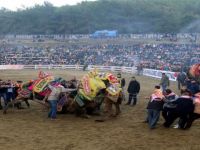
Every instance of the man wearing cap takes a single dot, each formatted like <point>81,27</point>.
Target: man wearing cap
<point>164,83</point>
<point>122,83</point>
<point>133,90</point>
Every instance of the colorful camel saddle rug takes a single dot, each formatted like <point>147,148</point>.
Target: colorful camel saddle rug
<point>80,100</point>
<point>61,103</point>
<point>91,87</point>
<point>42,83</point>
<point>195,70</point>
<point>24,93</point>
<point>113,92</point>
<point>86,84</point>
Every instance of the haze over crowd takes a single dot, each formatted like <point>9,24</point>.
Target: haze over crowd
<point>127,16</point>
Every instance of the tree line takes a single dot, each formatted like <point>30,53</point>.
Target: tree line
<point>126,16</point>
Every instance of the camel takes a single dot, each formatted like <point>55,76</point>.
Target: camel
<point>26,93</point>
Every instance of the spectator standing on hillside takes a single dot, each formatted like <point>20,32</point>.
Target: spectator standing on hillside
<point>133,90</point>
<point>164,83</point>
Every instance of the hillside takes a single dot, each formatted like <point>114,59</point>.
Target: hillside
<point>126,16</point>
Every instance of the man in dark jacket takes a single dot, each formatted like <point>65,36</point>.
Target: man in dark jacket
<point>133,90</point>
<point>122,83</point>
<point>154,107</point>
<point>169,106</point>
<point>193,87</point>
<point>181,79</point>
<point>184,109</point>
<point>121,80</point>
<point>164,82</point>
<point>3,90</point>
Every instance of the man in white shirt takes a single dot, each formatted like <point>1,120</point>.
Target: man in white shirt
<point>53,98</point>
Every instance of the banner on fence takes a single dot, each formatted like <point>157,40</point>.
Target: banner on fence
<point>131,70</point>
<point>12,67</point>
<point>158,74</point>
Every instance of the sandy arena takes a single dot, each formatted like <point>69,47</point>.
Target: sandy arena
<point>30,129</point>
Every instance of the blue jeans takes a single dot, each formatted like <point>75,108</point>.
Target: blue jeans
<point>164,87</point>
<point>133,97</point>
<point>4,97</point>
<point>153,117</point>
<point>9,96</point>
<point>53,109</point>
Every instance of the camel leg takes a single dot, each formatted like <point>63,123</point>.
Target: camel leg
<point>108,106</point>
<point>117,105</point>
<point>27,103</point>
<point>5,108</point>
<point>118,111</point>
<point>81,112</point>
<point>107,111</point>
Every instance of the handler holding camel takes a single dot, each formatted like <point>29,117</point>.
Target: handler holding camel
<point>53,98</point>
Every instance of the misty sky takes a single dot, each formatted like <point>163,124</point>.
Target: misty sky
<point>14,4</point>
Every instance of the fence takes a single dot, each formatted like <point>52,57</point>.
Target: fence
<point>130,70</point>
<point>86,36</point>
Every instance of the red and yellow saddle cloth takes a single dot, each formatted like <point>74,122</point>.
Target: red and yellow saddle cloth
<point>195,70</point>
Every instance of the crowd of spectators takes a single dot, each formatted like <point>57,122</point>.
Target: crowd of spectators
<point>156,56</point>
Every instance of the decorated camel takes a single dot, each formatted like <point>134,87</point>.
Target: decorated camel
<point>94,89</point>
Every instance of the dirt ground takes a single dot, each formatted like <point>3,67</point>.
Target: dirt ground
<point>30,129</point>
